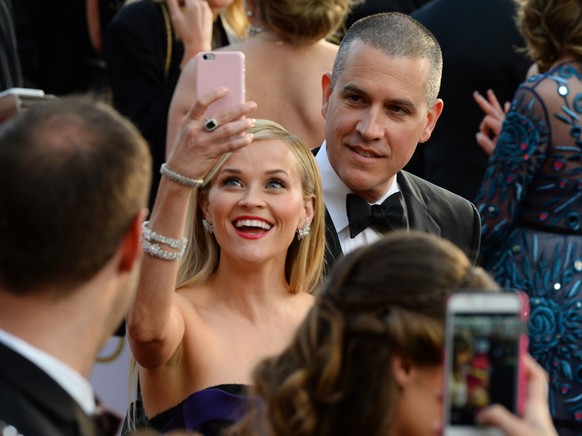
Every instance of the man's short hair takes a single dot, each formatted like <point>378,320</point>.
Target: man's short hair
<point>73,176</point>
<point>396,35</point>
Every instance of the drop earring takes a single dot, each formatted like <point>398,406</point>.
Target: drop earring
<point>209,227</point>
<point>303,231</point>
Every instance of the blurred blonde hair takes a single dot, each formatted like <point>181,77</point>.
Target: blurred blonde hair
<point>235,19</point>
<point>234,15</point>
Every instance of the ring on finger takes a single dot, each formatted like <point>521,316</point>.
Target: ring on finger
<point>210,124</point>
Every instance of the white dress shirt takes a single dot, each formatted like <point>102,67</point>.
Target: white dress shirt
<point>70,380</point>
<point>334,194</point>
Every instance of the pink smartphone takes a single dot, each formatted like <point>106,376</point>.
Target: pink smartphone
<point>221,69</point>
<point>485,343</point>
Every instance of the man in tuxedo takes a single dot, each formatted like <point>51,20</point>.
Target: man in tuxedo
<point>379,102</point>
<point>74,182</point>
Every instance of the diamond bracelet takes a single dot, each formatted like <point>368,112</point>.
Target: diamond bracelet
<point>179,178</point>
<point>156,250</point>
<point>151,236</point>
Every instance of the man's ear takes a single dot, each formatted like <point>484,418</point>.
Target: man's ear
<point>431,119</point>
<point>326,88</point>
<point>131,246</point>
<point>402,368</point>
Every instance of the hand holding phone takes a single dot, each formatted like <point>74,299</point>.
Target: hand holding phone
<point>485,341</point>
<point>537,420</point>
<point>215,70</point>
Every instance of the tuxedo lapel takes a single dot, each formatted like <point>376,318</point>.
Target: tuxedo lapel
<point>416,204</point>
<point>333,248</point>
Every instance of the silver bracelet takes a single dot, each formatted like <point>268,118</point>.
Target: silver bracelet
<point>179,178</point>
<point>151,236</point>
<point>155,250</point>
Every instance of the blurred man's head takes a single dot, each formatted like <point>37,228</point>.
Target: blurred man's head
<point>74,179</point>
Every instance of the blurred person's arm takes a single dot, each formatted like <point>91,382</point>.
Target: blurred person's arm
<point>192,22</point>
<point>94,25</point>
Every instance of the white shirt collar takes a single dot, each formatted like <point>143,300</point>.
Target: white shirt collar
<point>70,380</point>
<point>335,190</point>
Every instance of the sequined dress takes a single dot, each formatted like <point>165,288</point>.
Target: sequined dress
<point>531,209</point>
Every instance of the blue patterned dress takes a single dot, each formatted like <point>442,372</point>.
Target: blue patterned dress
<point>531,209</point>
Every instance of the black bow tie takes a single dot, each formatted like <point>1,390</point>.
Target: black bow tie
<point>386,216</point>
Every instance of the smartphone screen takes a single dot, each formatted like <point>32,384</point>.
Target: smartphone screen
<point>485,340</point>
<point>484,365</point>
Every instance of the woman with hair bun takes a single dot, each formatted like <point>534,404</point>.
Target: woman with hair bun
<point>367,360</point>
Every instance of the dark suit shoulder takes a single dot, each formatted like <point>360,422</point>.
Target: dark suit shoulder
<point>32,402</point>
<point>28,417</point>
<point>446,200</point>
<point>457,217</point>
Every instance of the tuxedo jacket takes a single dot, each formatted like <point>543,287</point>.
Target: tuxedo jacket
<point>35,404</point>
<point>430,209</point>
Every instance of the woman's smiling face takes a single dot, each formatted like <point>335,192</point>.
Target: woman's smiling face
<point>256,202</point>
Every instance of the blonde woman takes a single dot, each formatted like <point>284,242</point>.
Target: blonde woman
<point>252,253</point>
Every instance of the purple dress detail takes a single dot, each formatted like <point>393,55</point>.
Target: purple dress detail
<point>208,411</point>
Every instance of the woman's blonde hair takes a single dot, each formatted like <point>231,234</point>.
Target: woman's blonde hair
<point>551,28</point>
<point>235,19</point>
<point>336,376</point>
<point>304,264</point>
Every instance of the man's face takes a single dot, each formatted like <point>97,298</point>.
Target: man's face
<point>376,114</point>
